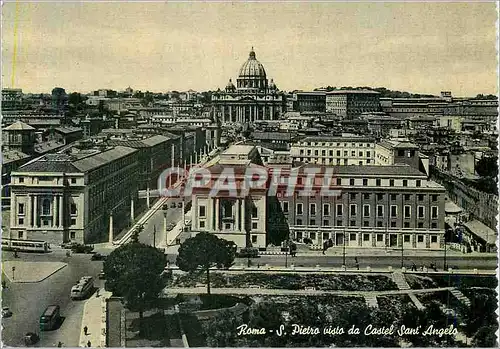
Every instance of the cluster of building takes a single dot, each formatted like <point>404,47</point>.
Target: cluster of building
<point>74,165</point>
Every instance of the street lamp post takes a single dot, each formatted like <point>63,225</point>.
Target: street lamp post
<point>343,263</point>
<point>154,235</point>
<point>286,253</point>
<point>402,250</point>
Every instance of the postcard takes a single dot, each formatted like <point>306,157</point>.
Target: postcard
<point>249,174</point>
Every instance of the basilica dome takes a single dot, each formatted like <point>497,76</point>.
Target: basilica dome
<point>252,74</point>
<point>252,68</point>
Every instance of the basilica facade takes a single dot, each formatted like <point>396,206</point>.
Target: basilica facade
<point>253,98</point>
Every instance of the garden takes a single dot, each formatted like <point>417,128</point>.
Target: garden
<point>326,282</point>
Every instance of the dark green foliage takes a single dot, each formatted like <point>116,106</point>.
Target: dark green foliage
<point>133,271</point>
<point>205,251</point>
<point>278,229</point>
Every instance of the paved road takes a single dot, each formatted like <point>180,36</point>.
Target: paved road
<point>156,220</point>
<point>28,300</point>
<point>485,263</point>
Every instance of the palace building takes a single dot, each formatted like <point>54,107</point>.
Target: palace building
<point>370,206</point>
<point>253,98</point>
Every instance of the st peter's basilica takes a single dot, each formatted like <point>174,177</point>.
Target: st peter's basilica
<point>253,98</point>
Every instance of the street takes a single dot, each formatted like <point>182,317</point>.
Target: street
<point>484,263</point>
<point>156,220</point>
<point>27,301</point>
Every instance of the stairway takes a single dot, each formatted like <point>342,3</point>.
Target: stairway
<point>460,296</point>
<point>415,301</point>
<point>371,301</point>
<point>400,281</point>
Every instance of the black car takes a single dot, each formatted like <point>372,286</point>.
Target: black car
<point>98,257</point>
<point>31,338</point>
<point>79,248</point>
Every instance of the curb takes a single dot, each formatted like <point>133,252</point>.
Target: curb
<point>34,282</point>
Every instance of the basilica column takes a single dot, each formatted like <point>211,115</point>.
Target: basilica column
<point>223,112</point>
<point>230,113</point>
<point>272,112</point>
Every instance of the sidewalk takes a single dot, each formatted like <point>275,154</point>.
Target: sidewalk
<point>94,317</point>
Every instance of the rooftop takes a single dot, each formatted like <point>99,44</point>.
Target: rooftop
<point>338,92</point>
<point>74,163</point>
<point>12,156</point>
<point>19,126</point>
<point>337,139</point>
<point>238,149</point>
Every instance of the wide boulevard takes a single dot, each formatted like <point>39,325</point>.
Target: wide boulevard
<point>27,301</point>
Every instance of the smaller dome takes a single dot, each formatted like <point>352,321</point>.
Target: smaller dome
<point>230,86</point>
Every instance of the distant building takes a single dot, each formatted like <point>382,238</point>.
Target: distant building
<point>351,103</point>
<point>12,98</point>
<point>253,98</point>
<point>310,101</point>
<point>20,137</point>
<point>328,150</point>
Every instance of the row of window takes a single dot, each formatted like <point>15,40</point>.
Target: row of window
<point>366,237</point>
<point>366,210</point>
<point>46,208</point>
<point>47,179</point>
<point>329,144</point>
<point>227,226</point>
<point>352,182</point>
<point>366,224</point>
<point>331,152</point>
<point>45,222</point>
<point>380,196</point>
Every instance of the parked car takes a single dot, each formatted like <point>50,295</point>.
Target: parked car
<point>248,252</point>
<point>69,245</point>
<point>31,338</point>
<point>98,257</point>
<point>6,312</point>
<point>79,248</point>
<point>172,205</point>
<point>179,205</point>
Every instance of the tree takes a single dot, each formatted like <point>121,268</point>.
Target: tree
<point>205,251</point>
<point>133,271</point>
<point>487,166</point>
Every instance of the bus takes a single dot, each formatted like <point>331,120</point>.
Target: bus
<point>25,245</point>
<point>50,318</point>
<point>83,288</point>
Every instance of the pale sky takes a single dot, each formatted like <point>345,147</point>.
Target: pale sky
<point>415,47</point>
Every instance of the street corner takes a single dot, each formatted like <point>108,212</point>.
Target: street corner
<point>25,272</point>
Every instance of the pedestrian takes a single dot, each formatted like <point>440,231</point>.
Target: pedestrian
<point>89,344</point>
<point>85,330</point>
<point>97,293</point>
<point>356,260</point>
<point>59,345</point>
<point>4,284</point>
<point>357,265</point>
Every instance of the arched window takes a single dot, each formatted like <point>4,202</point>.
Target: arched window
<point>46,206</point>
